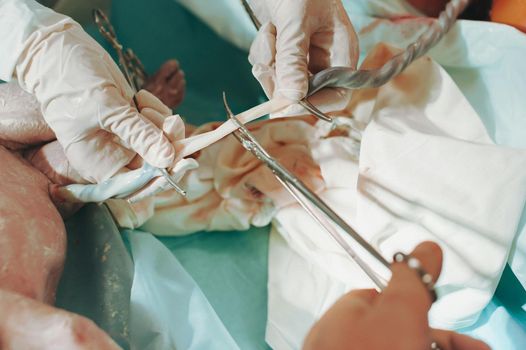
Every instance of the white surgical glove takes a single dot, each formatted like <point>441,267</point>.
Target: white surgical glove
<point>298,37</point>
<point>83,95</point>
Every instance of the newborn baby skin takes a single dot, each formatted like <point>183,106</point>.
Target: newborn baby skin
<point>32,253</point>
<point>168,84</point>
<point>32,233</point>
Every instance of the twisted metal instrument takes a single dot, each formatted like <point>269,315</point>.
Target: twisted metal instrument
<point>348,78</point>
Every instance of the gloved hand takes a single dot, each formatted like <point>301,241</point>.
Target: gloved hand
<point>83,95</point>
<point>131,182</point>
<point>298,37</point>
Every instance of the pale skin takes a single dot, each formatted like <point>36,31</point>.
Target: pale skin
<point>32,249</point>
<point>394,319</point>
<point>429,7</point>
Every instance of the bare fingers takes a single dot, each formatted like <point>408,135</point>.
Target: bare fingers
<point>406,288</point>
<point>448,340</point>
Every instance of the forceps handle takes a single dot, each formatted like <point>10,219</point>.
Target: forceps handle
<point>108,32</point>
<point>286,176</point>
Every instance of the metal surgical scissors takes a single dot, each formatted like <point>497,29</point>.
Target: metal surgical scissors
<point>130,64</point>
<point>132,68</point>
<point>310,201</point>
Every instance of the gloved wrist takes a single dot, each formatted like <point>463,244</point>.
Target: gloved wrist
<point>24,23</point>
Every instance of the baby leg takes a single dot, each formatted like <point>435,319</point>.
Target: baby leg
<point>30,325</point>
<point>32,234</point>
<point>32,252</point>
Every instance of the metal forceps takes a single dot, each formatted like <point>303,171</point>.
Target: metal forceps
<point>133,70</point>
<point>320,211</point>
<point>344,77</point>
<point>348,78</point>
<point>310,201</point>
<point>130,64</point>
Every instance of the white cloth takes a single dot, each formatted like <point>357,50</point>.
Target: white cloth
<point>427,169</point>
<point>486,61</point>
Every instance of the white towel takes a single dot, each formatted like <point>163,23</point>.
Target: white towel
<point>427,170</point>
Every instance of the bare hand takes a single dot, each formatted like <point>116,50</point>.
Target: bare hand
<point>394,319</point>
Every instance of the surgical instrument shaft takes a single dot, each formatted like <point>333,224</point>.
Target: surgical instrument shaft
<point>133,71</point>
<point>306,197</point>
<point>348,78</point>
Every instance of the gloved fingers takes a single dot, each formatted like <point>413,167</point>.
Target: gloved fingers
<point>153,116</point>
<point>263,48</point>
<point>174,128</point>
<point>146,99</point>
<point>319,51</point>
<point>337,47</point>
<point>261,56</point>
<point>136,131</point>
<point>260,9</point>
<point>292,49</point>
<point>266,76</point>
<point>448,340</point>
